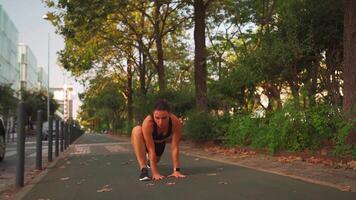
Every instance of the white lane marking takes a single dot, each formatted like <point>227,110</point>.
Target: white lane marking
<point>9,154</point>
<point>81,150</point>
<point>101,144</point>
<point>116,148</point>
<point>32,155</point>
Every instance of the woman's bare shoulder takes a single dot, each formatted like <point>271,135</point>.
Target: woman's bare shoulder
<point>148,120</point>
<point>176,121</point>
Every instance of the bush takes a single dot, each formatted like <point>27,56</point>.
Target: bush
<point>341,147</point>
<point>286,130</point>
<point>291,129</point>
<point>240,131</point>
<point>200,126</point>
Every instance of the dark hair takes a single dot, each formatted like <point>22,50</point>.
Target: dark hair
<point>161,104</point>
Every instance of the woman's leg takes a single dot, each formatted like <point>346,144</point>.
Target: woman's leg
<point>139,146</point>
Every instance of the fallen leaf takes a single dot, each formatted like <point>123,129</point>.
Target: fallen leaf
<point>150,184</point>
<point>220,168</point>
<point>65,178</point>
<point>170,183</point>
<point>80,182</point>
<point>346,188</point>
<point>197,159</point>
<point>125,163</point>
<point>108,163</point>
<point>222,183</point>
<point>352,164</point>
<point>62,167</point>
<point>212,174</point>
<point>68,162</point>
<point>105,188</point>
<point>313,160</point>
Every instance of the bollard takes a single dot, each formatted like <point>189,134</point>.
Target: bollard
<point>69,134</point>
<point>56,149</point>
<point>39,141</point>
<point>65,135</point>
<point>62,135</point>
<point>50,138</point>
<point>20,165</point>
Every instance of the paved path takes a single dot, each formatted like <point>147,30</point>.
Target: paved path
<point>100,167</point>
<point>8,165</point>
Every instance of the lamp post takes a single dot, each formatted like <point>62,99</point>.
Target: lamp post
<point>45,17</point>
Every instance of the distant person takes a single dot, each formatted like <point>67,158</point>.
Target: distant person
<point>157,128</point>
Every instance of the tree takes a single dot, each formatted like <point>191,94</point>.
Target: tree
<point>8,101</point>
<point>200,56</point>
<point>37,100</point>
<point>349,72</point>
<point>104,105</point>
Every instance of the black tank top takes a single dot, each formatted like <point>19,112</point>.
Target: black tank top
<point>158,137</point>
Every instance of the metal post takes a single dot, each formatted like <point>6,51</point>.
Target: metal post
<point>65,135</point>
<point>20,165</point>
<point>69,133</point>
<point>50,138</point>
<point>62,136</point>
<point>56,150</point>
<point>39,140</point>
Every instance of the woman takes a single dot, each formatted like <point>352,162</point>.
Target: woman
<point>157,129</point>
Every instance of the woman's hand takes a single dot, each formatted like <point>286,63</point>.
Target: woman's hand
<point>177,174</point>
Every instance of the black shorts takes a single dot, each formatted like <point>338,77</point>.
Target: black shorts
<point>159,148</point>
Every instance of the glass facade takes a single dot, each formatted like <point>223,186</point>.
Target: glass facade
<point>28,67</point>
<point>42,79</point>
<point>9,67</point>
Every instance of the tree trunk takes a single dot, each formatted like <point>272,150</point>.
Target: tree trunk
<point>129,90</point>
<point>142,70</point>
<point>158,40</point>
<point>200,71</point>
<point>332,79</point>
<point>349,72</point>
<point>312,85</point>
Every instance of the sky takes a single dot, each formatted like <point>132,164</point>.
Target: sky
<point>34,31</point>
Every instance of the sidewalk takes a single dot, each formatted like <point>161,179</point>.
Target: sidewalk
<point>100,167</point>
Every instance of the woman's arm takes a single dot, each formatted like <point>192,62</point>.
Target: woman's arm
<point>147,128</point>
<point>176,137</point>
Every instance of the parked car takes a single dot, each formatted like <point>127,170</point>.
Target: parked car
<point>2,140</point>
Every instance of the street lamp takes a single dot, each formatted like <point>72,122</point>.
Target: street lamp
<point>45,17</point>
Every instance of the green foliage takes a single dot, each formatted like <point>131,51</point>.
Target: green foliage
<point>104,106</point>
<point>37,100</point>
<point>200,126</point>
<point>244,131</point>
<point>292,129</point>
<point>341,146</point>
<point>8,101</point>
<point>180,102</point>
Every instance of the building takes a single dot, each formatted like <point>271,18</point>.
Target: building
<point>42,81</point>
<point>9,67</point>
<point>28,67</point>
<point>64,97</point>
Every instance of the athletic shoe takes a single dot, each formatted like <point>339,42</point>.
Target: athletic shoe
<point>144,175</point>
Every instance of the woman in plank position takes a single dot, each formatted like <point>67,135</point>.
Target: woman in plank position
<point>157,128</point>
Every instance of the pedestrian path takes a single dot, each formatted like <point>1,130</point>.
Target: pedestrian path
<point>108,170</point>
